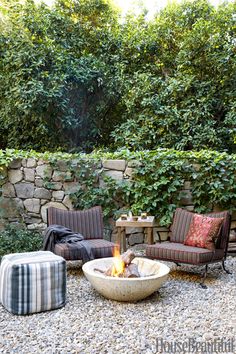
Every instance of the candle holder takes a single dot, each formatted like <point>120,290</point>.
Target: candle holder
<point>123,216</point>
<point>143,216</point>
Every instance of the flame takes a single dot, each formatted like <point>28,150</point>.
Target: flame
<point>118,265</point>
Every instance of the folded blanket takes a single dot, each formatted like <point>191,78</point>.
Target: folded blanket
<point>61,234</point>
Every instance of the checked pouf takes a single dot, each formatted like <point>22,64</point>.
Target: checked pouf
<point>32,282</point>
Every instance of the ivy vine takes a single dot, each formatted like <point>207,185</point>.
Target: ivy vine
<point>157,180</point>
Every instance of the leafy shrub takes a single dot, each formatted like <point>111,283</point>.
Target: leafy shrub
<point>16,238</point>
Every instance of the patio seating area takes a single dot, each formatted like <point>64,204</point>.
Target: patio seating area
<point>90,323</point>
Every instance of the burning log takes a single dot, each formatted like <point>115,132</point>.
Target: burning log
<point>122,266</point>
<point>131,271</point>
<point>127,257</point>
<point>120,263</point>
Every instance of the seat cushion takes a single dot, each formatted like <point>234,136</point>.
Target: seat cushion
<point>99,248</point>
<point>177,252</point>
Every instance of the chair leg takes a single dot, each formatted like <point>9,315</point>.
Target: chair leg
<point>204,278</point>
<point>226,270</point>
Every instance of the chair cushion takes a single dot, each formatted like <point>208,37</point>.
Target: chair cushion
<point>177,252</point>
<point>100,249</point>
<point>180,225</point>
<point>88,222</point>
<point>182,220</point>
<point>203,231</point>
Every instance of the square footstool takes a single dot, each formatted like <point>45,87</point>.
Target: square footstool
<point>32,282</point>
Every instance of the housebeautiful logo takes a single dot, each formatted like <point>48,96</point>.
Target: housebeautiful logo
<point>191,345</point>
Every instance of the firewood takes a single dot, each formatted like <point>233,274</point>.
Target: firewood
<point>131,271</point>
<point>127,257</point>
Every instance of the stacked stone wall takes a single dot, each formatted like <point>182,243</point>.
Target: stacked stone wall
<point>26,196</point>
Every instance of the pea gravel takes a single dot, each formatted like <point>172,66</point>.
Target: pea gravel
<point>91,324</point>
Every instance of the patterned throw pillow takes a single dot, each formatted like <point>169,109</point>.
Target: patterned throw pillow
<point>203,231</point>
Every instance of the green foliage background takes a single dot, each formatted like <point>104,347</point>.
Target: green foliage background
<point>74,77</point>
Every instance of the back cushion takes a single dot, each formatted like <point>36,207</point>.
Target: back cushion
<point>87,222</point>
<point>180,226</point>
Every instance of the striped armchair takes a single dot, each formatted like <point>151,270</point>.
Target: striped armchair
<point>89,223</point>
<point>176,251</point>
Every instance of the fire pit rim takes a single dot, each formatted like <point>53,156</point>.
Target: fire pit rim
<point>142,278</point>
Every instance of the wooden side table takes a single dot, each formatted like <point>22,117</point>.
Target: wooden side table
<point>147,223</point>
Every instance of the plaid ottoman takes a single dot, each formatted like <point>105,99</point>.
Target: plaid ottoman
<point>32,282</point>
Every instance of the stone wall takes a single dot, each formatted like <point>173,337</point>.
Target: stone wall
<point>25,196</point>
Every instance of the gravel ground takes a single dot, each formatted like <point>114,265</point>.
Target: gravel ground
<point>91,324</point>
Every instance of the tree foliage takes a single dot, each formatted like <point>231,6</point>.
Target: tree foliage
<point>74,77</point>
<point>56,76</point>
<point>182,93</point>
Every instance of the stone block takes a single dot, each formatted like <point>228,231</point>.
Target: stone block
<point>8,190</point>
<point>133,230</point>
<point>15,163</point>
<point>32,219</point>
<point>187,185</point>
<point>24,190</point>
<point>29,174</point>
<point>134,163</point>
<point>117,175</point>
<point>164,236</point>
<point>233,225</point>
<point>67,202</point>
<point>61,176</point>
<point>128,171</point>
<point>36,226</point>
<point>44,171</point>
<point>190,207</point>
<point>15,176</point>
<point>38,182</point>
<point>42,193</point>
<point>50,204</point>
<point>135,239</point>
<point>186,197</point>
<point>43,201</point>
<point>24,162</point>
<point>70,187</point>
<point>56,186</point>
<point>118,165</point>
<point>11,208</point>
<point>31,162</point>
<point>58,195</point>
<point>62,165</point>
<point>32,205</point>
<point>233,215</point>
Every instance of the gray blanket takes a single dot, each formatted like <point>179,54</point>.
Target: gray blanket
<point>60,234</point>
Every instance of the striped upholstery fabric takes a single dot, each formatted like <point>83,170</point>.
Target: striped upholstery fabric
<point>32,282</point>
<point>87,222</point>
<point>177,252</point>
<point>183,218</point>
<point>100,248</point>
<point>180,226</point>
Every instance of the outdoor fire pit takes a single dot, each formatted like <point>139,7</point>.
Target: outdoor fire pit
<point>152,276</point>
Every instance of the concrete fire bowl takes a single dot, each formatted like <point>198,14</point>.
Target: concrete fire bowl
<point>153,274</point>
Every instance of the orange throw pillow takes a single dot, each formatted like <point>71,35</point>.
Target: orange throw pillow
<point>203,231</point>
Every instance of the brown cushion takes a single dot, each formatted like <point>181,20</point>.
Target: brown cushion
<point>100,249</point>
<point>203,231</point>
<point>180,226</point>
<point>88,222</point>
<point>177,252</point>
